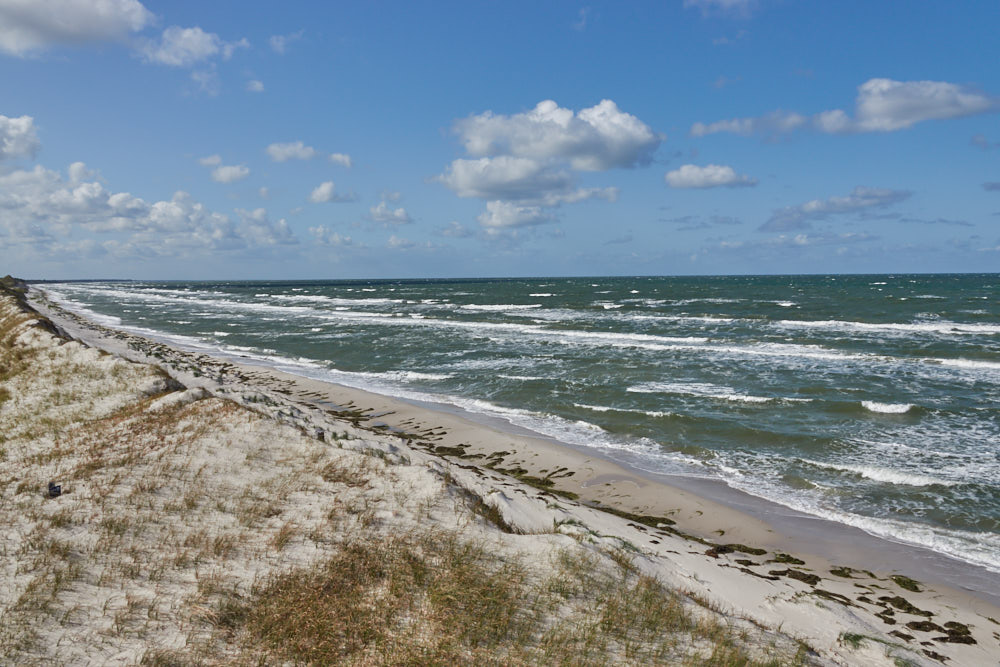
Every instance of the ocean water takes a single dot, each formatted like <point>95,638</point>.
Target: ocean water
<point>869,400</point>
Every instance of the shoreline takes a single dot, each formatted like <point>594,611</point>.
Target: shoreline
<point>700,506</point>
<point>668,525</point>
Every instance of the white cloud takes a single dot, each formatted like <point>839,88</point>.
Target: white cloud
<point>229,48</point>
<point>258,229</point>
<point>210,160</point>
<point>523,165</point>
<point>882,105</point>
<point>739,8</point>
<point>57,217</point>
<point>860,200</point>
<point>504,177</point>
<point>384,214</point>
<point>28,26</point>
<point>504,215</point>
<point>325,193</point>
<point>594,139</point>
<point>229,174</point>
<point>400,243</point>
<point>341,158</point>
<point>294,150</point>
<point>456,230</point>
<point>709,176</point>
<point>17,137</point>
<point>183,47</point>
<point>255,86</point>
<point>517,179</point>
<point>326,236</point>
<point>207,80</point>
<point>775,122</point>
<point>280,42</point>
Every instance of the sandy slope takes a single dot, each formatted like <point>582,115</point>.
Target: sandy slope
<point>174,498</point>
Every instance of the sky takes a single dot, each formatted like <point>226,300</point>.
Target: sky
<point>317,140</point>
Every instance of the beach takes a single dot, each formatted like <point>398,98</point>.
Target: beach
<point>259,434</point>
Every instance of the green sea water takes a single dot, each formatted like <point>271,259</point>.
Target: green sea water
<point>869,400</point>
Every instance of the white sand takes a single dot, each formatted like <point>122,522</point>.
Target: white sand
<point>232,490</point>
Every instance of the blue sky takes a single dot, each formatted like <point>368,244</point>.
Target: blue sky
<point>250,139</point>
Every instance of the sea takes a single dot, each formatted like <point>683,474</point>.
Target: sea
<point>870,400</point>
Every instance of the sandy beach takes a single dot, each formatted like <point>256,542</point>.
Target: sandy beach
<point>228,459</point>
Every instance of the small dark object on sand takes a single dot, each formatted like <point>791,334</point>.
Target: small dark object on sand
<point>55,490</point>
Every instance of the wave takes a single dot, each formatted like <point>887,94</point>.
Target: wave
<point>887,408</point>
<point>499,307</point>
<point>604,408</point>
<point>897,328</point>
<point>320,298</point>
<point>704,390</point>
<point>885,475</point>
<point>966,363</point>
<point>686,302</point>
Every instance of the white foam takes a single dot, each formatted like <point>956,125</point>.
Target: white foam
<point>541,294</point>
<point>942,327</point>
<point>699,389</point>
<point>967,363</point>
<point>604,408</point>
<point>887,408</point>
<point>499,307</point>
<point>886,475</point>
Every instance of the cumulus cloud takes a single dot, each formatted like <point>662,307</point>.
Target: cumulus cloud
<point>294,150</point>
<point>397,242</point>
<point>709,176</point>
<point>383,213</point>
<point>594,139</point>
<point>882,105</point>
<point>29,26</point>
<point>323,235</point>
<point>255,86</point>
<point>78,216</point>
<point>523,165</point>
<point>17,137</point>
<point>260,231</point>
<point>505,177</point>
<point>279,43</point>
<point>860,200</point>
<point>326,192</point>
<point>505,215</point>
<point>210,160</point>
<point>183,47</point>
<point>230,173</point>
<point>342,159</point>
<point>455,230</point>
